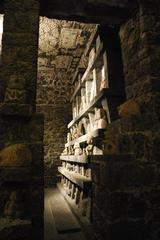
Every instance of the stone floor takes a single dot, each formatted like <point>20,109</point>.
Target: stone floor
<point>60,223</point>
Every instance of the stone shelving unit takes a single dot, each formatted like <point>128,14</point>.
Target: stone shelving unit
<point>97,102</point>
<point>72,158</point>
<point>76,173</point>
<point>76,178</point>
<point>98,133</point>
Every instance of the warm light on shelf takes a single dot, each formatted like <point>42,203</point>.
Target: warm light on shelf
<point>1,23</point>
<point>1,32</point>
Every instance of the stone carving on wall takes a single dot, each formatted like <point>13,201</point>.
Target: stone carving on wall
<point>69,37</point>
<point>63,61</point>
<point>15,95</point>
<point>129,108</point>
<point>15,91</point>
<point>14,207</point>
<point>16,155</point>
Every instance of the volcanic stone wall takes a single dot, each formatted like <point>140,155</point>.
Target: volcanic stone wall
<point>53,89</point>
<point>55,132</point>
<point>21,130</point>
<point>126,188</point>
<point>61,44</point>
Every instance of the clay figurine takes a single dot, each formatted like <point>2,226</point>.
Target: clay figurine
<point>89,148</point>
<point>100,119</point>
<point>77,149</point>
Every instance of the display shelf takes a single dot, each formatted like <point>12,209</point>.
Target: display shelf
<point>95,134</point>
<point>98,91</point>
<point>78,70</point>
<point>74,207</point>
<point>119,157</point>
<point>91,41</point>
<point>81,181</point>
<point>95,63</point>
<point>74,158</point>
<point>106,92</point>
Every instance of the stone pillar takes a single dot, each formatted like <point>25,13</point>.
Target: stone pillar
<point>128,187</point>
<point>19,53</point>
<point>137,183</point>
<point>21,129</point>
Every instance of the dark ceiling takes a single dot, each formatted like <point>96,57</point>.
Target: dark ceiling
<point>96,11</point>
<point>112,12</point>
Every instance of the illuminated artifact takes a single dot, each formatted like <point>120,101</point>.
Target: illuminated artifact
<point>89,148</point>
<point>77,149</point>
<point>100,119</point>
<point>69,137</point>
<point>97,151</point>
<point>65,151</point>
<point>81,129</point>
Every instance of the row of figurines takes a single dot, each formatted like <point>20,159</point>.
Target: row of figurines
<point>80,198</point>
<point>88,93</point>
<point>97,79</point>
<point>76,150</point>
<point>77,168</point>
<point>96,120</point>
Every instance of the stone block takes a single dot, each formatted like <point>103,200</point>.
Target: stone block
<point>29,39</point>
<point>17,174</point>
<point>15,109</point>
<point>14,53</point>
<point>37,160</point>
<point>124,174</point>
<point>130,229</point>
<point>16,155</point>
<point>15,229</point>
<point>22,5</point>
<point>153,149</point>
<point>119,201</point>
<point>21,22</point>
<point>29,128</point>
<point>125,142</point>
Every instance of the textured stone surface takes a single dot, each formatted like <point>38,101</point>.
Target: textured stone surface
<point>18,54</point>
<point>61,44</point>
<point>14,229</point>
<point>15,155</point>
<point>22,187</point>
<point>122,202</point>
<point>55,132</point>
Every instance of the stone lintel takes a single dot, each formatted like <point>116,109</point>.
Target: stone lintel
<point>86,11</point>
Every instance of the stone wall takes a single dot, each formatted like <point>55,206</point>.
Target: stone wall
<point>21,130</point>
<point>55,132</point>
<point>126,188</point>
<point>20,48</point>
<point>61,44</point>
